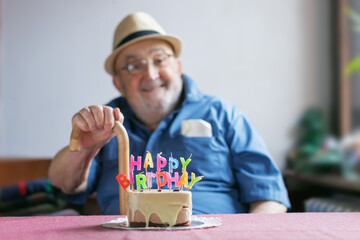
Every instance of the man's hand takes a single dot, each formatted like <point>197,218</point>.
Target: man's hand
<point>267,207</point>
<point>69,170</point>
<point>96,123</point>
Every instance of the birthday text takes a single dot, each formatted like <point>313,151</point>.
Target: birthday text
<point>144,180</point>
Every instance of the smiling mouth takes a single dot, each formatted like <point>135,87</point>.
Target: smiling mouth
<point>150,89</point>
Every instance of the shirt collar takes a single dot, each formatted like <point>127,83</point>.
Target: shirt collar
<point>192,92</point>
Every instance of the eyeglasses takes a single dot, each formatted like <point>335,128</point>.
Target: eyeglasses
<point>138,66</point>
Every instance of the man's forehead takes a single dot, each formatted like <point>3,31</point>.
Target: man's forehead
<point>146,47</point>
<point>150,52</point>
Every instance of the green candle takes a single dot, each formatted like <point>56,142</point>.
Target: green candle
<point>194,180</point>
<point>140,181</point>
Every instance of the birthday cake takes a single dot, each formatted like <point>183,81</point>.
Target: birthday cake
<point>147,207</point>
<point>165,208</point>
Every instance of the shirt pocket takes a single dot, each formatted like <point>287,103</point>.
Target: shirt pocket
<point>196,128</point>
<point>208,157</point>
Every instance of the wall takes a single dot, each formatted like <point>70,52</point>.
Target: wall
<point>269,57</point>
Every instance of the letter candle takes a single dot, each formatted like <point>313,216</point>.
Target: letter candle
<point>160,162</point>
<point>123,181</point>
<point>185,163</point>
<point>194,180</point>
<point>173,164</point>
<point>132,180</point>
<point>144,181</point>
<point>158,178</point>
<point>140,180</point>
<point>149,177</point>
<point>148,161</point>
<point>174,179</point>
<point>133,163</point>
<point>183,180</point>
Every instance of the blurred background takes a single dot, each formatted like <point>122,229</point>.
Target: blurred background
<point>291,66</point>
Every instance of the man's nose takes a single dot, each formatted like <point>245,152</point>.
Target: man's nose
<point>151,71</point>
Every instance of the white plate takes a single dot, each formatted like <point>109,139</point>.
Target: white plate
<point>196,222</point>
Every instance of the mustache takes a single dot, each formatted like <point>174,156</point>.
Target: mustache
<point>149,85</point>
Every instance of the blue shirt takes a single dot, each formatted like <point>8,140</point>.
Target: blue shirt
<point>234,161</point>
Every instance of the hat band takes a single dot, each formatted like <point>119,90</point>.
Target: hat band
<point>136,35</point>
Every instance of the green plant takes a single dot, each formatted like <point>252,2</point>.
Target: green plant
<point>354,65</point>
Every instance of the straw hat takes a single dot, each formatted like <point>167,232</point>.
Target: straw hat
<point>135,27</point>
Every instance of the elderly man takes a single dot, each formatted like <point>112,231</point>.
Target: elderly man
<point>164,111</point>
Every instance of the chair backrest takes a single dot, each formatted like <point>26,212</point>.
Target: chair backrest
<point>13,170</point>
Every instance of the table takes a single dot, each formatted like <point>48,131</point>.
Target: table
<point>234,226</point>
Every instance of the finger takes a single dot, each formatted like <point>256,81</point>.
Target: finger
<point>89,118</point>
<point>108,118</point>
<point>79,121</point>
<point>118,115</point>
<point>98,113</point>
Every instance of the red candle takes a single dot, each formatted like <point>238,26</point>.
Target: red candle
<point>158,179</point>
<point>123,181</point>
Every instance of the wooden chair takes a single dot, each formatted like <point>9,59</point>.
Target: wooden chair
<point>14,170</point>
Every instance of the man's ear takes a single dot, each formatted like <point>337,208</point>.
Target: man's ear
<point>118,85</point>
<point>179,66</point>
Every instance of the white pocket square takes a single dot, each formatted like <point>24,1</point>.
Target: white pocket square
<point>196,128</point>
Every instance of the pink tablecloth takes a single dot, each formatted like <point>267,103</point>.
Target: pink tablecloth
<point>234,226</point>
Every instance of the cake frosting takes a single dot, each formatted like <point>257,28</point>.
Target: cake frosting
<point>147,208</point>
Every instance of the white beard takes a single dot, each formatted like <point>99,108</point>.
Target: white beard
<point>152,111</point>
